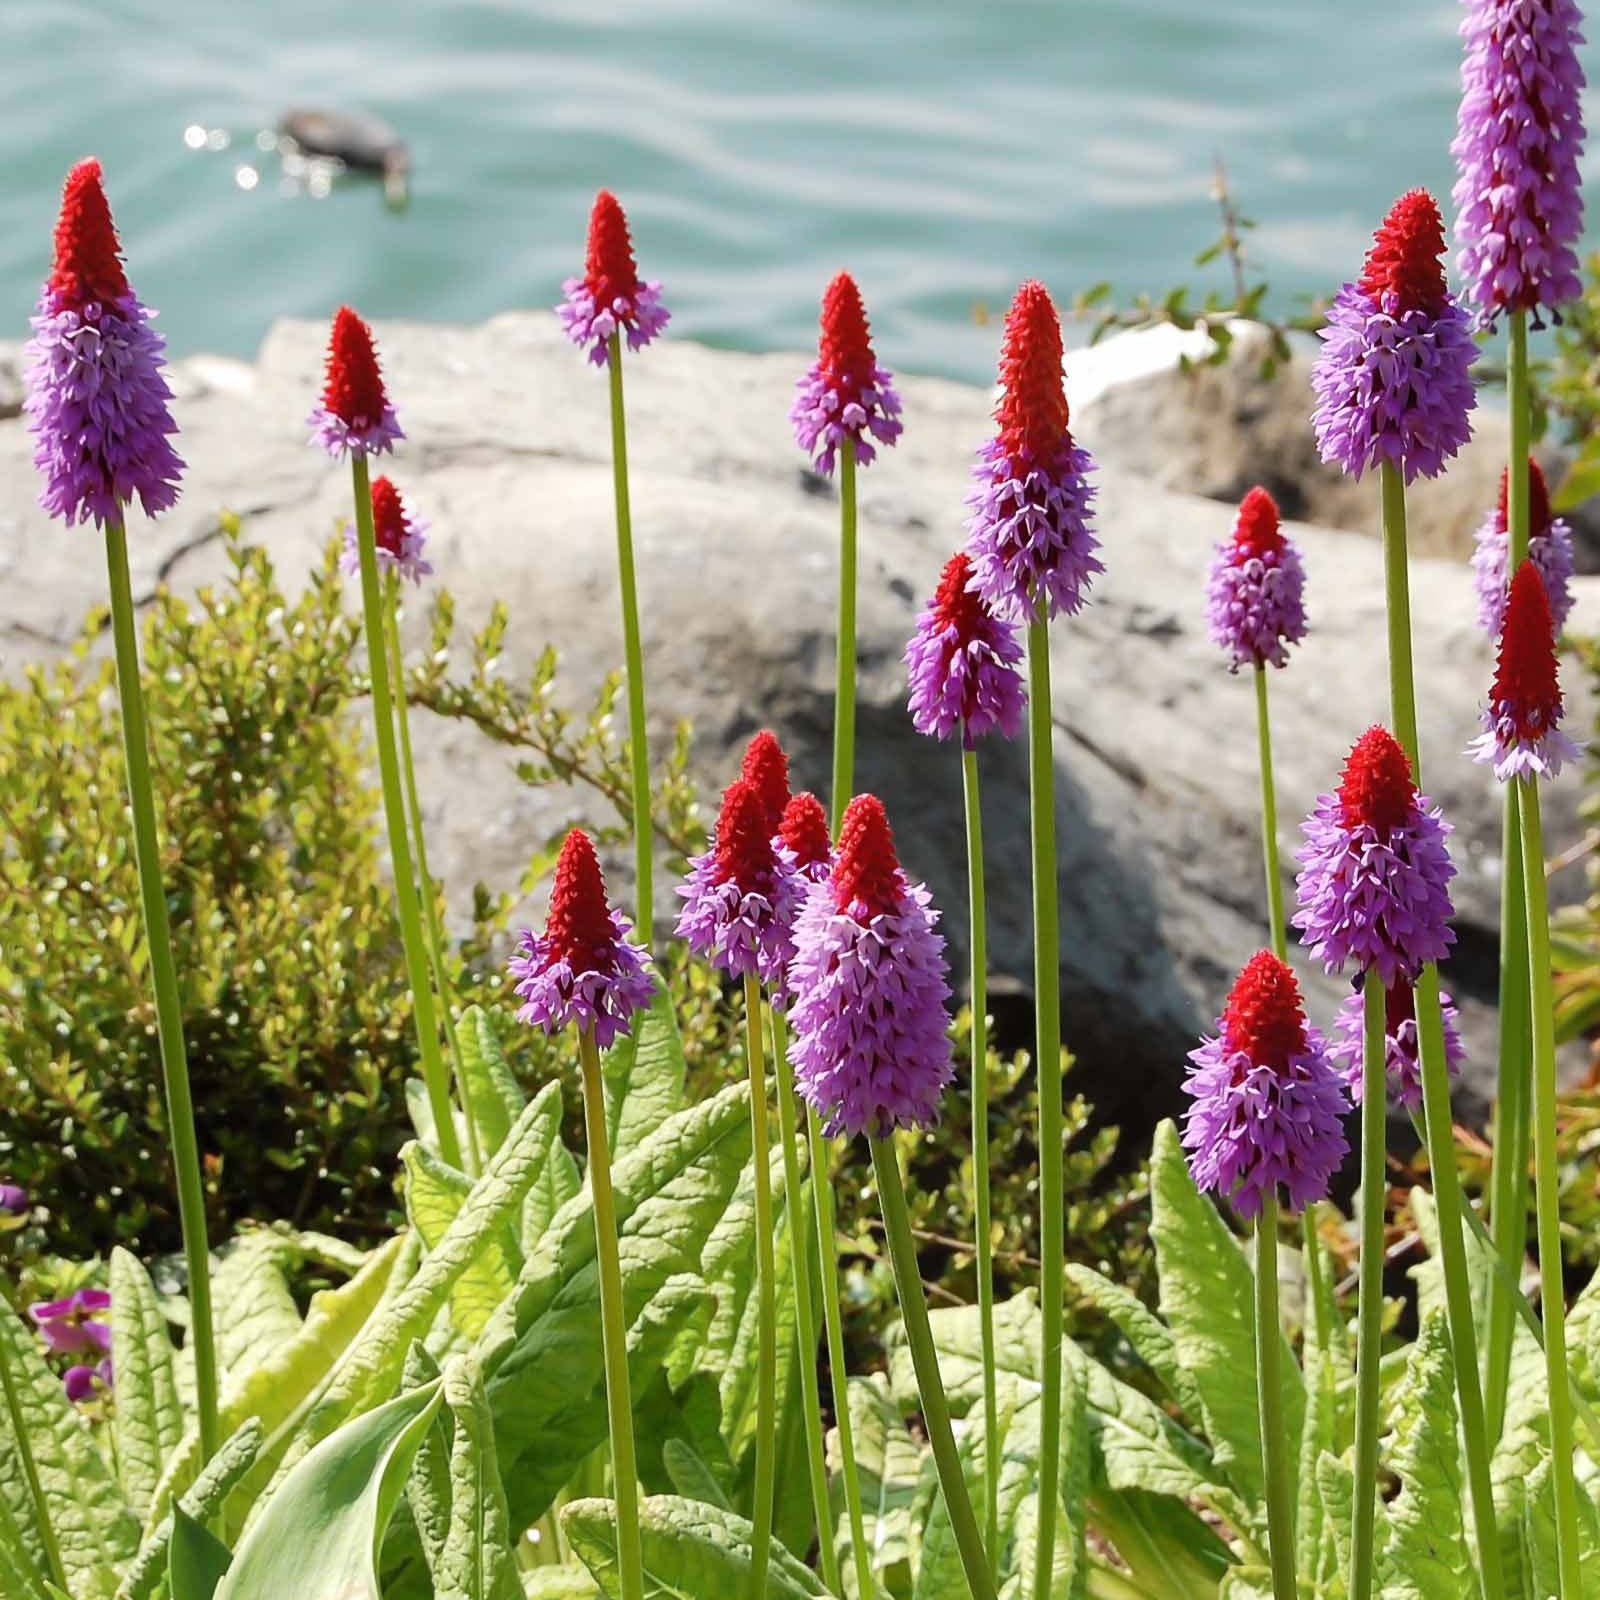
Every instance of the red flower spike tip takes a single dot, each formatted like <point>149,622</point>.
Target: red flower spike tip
<point>1255,530</point>
<point>1376,790</point>
<point>88,264</point>
<point>608,264</point>
<point>1526,683</point>
<point>388,517</point>
<point>844,352</point>
<point>354,390</point>
<point>955,604</point>
<point>766,769</point>
<point>1399,1006</point>
<point>1033,405</point>
<point>804,830</point>
<point>579,930</point>
<point>867,869</point>
<point>1264,1017</point>
<point>744,838</point>
<point>1406,255</point>
<point>1538,500</point>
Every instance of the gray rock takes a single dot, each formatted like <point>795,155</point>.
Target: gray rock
<point>508,454</point>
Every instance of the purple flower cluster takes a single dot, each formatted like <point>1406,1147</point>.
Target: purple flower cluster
<point>1549,549</point>
<point>845,394</point>
<point>1255,591</point>
<point>1402,1059</point>
<point>354,416</point>
<point>75,1326</point>
<point>399,537</point>
<point>610,297</point>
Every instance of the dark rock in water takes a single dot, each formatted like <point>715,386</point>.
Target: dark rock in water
<point>360,142</point>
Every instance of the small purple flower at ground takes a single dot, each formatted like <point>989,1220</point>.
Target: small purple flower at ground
<point>1522,722</point>
<point>846,394</point>
<point>610,297</point>
<point>1268,1104</point>
<point>14,1205</point>
<point>399,537</point>
<point>70,1325</point>
<point>97,402</point>
<point>1549,549</point>
<point>87,1383</point>
<point>1374,882</point>
<point>741,896</point>
<point>582,969</point>
<point>870,1036</point>
<point>1393,379</point>
<point>1255,591</point>
<point>1519,140</point>
<point>1402,1063</point>
<point>961,664</point>
<point>354,416</point>
<point>1032,549</point>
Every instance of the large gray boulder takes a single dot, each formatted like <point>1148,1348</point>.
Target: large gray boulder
<point>508,454</point>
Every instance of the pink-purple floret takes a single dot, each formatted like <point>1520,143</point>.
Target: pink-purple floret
<point>824,417</point>
<point>1402,1063</point>
<point>366,436</point>
<point>409,563</point>
<point>1515,752</point>
<point>605,999</point>
<point>1255,603</point>
<point>743,930</point>
<point>73,1324</point>
<point>968,686</point>
<point>590,326</point>
<point>1550,551</point>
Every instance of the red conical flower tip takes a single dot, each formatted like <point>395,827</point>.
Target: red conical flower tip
<point>804,830</point>
<point>1405,258</point>
<point>1264,1017</point>
<point>1538,500</point>
<point>1033,405</point>
<point>766,769</point>
<point>579,930</point>
<point>867,870</point>
<point>88,264</point>
<point>1527,687</point>
<point>955,605</point>
<point>1376,790</point>
<point>608,265</point>
<point>744,838</point>
<point>354,390</point>
<point>388,517</point>
<point>1256,527</point>
<point>844,352</point>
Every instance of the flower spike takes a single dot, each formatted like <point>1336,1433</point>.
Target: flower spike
<point>1402,1057</point>
<point>1549,548</point>
<point>1255,606</point>
<point>355,417</point>
<point>846,395</point>
<point>610,297</point>
<point>804,834</point>
<point>766,768</point>
<point>399,537</point>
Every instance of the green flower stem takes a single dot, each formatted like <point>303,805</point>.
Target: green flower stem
<point>1508,1183</point>
<point>833,1322</point>
<point>633,654</point>
<point>1275,1441</point>
<point>1450,1202</point>
<point>1047,1067</point>
<point>1269,820</point>
<point>796,1210</point>
<point>164,979</point>
<point>925,1361</point>
<point>978,941</point>
<point>1547,1187</point>
<point>1369,1339</point>
<point>613,1323</point>
<point>766,1300</point>
<point>844,692</point>
<point>394,816</point>
<point>30,1470</point>
<point>425,886</point>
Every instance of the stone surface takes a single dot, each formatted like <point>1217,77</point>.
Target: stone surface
<point>508,454</point>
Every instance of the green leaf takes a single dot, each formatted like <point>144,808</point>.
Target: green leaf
<point>493,1099</point>
<point>428,1487</point>
<point>644,1075</point>
<point>93,1526</point>
<point>692,1551</point>
<point>559,1583</point>
<point>1424,1556</point>
<point>196,1559</point>
<point>1170,1552</point>
<point>690,1475</point>
<point>1544,1577</point>
<point>147,1421</point>
<point>435,1194</point>
<point>256,1313</point>
<point>889,1468</point>
<point>1207,1299</point>
<point>1336,1483</point>
<point>1582,480</point>
<point>557,1183</point>
<point>476,1562</point>
<point>1149,1336</point>
<point>320,1533</point>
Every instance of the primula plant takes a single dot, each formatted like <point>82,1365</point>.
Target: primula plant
<point>598,1347</point>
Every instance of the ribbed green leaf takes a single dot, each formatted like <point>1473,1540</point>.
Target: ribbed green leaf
<point>1336,1482</point>
<point>476,1562</point>
<point>690,1475</point>
<point>428,1487</point>
<point>435,1194</point>
<point>256,1313</point>
<point>1149,1336</point>
<point>644,1074</point>
<point>493,1098</point>
<point>1544,1574</point>
<point>196,1559</point>
<point>147,1420</point>
<point>889,1468</point>
<point>557,1183</point>
<point>559,1583</point>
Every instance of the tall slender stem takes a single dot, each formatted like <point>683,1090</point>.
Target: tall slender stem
<point>978,943</point>
<point>1369,1341</point>
<point>1275,1442</point>
<point>1047,1067</point>
<point>925,1362</point>
<point>164,980</point>
<point>1508,1183</point>
<point>844,690</point>
<point>766,1299</point>
<point>613,1323</point>
<point>394,816</point>
<point>796,1208</point>
<point>1547,1201</point>
<point>1269,820</point>
<point>1435,1074</point>
<point>425,885</point>
<point>833,1322</point>
<point>633,657</point>
<point>30,1468</point>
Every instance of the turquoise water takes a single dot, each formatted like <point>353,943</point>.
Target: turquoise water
<point>940,149</point>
